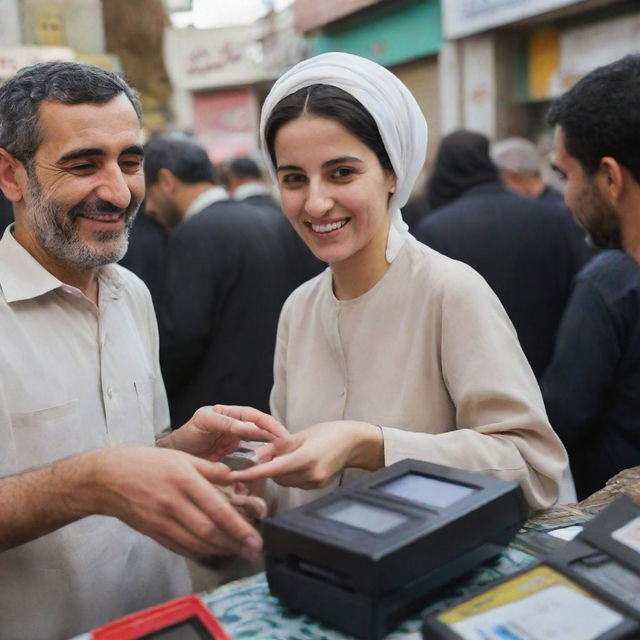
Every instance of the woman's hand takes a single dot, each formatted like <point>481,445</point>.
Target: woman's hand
<point>309,459</point>
<point>214,432</point>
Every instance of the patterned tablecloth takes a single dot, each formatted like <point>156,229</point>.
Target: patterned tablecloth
<point>246,609</point>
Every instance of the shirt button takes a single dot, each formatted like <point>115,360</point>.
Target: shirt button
<point>110,392</point>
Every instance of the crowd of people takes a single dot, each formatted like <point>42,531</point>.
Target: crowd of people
<point>316,323</point>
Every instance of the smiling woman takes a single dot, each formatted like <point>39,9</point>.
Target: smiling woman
<point>394,351</point>
<point>335,194</point>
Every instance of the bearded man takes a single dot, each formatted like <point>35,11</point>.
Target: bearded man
<point>592,386</point>
<point>81,396</point>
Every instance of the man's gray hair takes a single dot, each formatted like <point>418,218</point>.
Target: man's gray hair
<point>516,154</point>
<point>65,82</point>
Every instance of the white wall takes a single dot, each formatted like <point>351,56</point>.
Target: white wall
<point>479,83</point>
<point>182,107</point>
<point>450,87</point>
<point>468,84</point>
<point>9,23</point>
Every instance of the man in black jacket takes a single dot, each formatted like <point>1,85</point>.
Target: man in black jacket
<point>593,384</point>
<point>525,249</point>
<point>225,284</point>
<point>591,389</point>
<point>147,254</point>
<point>244,180</point>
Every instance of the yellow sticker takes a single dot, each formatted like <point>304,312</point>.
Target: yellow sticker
<point>533,581</point>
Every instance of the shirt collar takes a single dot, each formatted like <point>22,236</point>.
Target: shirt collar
<point>250,189</point>
<point>215,194</point>
<point>22,277</point>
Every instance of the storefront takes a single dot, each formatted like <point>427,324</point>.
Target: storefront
<point>220,78</point>
<point>554,56</point>
<point>508,60</point>
<point>214,73</point>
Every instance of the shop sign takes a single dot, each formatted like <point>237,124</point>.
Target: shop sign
<point>204,58</point>
<point>410,32</point>
<point>49,29</point>
<point>225,123</point>
<point>465,17</point>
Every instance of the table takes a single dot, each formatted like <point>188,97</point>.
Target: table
<point>248,611</point>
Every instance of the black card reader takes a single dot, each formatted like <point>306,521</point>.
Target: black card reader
<point>366,556</point>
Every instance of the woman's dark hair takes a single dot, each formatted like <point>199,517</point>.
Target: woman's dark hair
<point>326,101</point>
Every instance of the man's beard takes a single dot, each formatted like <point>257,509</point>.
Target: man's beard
<point>53,226</point>
<point>601,223</point>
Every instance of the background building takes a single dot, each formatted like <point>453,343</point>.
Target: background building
<point>404,36</point>
<point>221,76</point>
<point>488,65</point>
<point>108,33</point>
<point>503,62</point>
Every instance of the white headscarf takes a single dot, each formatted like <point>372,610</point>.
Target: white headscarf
<point>401,124</point>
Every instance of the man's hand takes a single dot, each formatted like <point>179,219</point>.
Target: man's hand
<point>310,458</point>
<point>214,432</point>
<point>170,496</point>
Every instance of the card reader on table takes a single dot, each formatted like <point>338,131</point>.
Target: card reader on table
<point>366,556</point>
<point>589,589</point>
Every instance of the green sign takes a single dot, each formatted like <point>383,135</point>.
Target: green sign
<point>388,36</point>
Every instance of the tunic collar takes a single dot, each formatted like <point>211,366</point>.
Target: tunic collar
<point>397,240</point>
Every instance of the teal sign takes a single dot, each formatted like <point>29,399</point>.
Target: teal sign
<point>390,37</point>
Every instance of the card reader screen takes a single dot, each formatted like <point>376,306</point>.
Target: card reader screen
<point>425,490</point>
<point>362,516</point>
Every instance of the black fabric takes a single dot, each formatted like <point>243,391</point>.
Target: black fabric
<point>527,250</point>
<point>225,287</point>
<point>552,196</point>
<point>301,264</point>
<point>263,201</point>
<point>414,211</point>
<point>147,255</point>
<point>462,162</point>
<point>6,213</point>
<point>592,386</point>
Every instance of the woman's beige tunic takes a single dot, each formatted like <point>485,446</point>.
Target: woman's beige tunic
<point>430,355</point>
